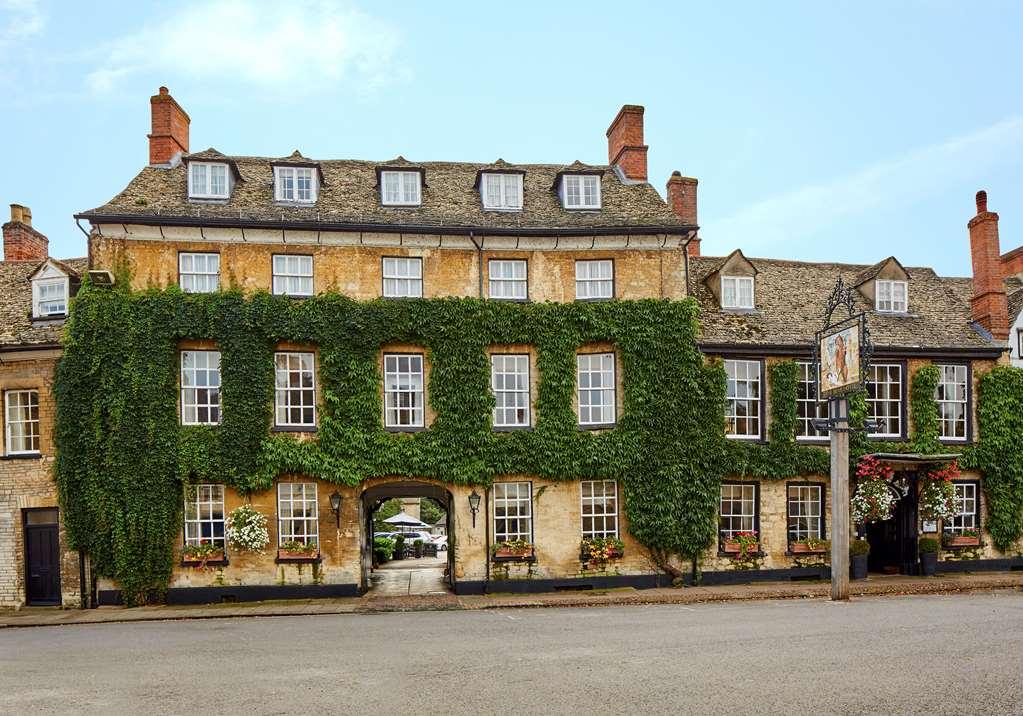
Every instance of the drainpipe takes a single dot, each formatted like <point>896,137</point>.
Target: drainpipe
<point>486,525</point>
<point>479,263</point>
<point>82,593</point>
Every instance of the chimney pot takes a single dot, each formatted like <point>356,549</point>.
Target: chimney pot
<point>625,142</point>
<point>981,201</point>
<point>170,128</point>
<point>681,193</point>
<point>21,241</point>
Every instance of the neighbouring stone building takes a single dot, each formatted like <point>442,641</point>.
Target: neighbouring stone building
<point>36,565</point>
<point>401,229</point>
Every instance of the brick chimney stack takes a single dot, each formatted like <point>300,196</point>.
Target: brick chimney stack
<point>170,128</point>
<point>988,304</point>
<point>625,142</point>
<point>21,241</point>
<point>682,200</point>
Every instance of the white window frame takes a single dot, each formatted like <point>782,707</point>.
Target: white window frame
<point>397,392</point>
<point>284,277</point>
<point>405,192</point>
<point>515,400</point>
<point>967,497</point>
<point>741,492</point>
<point>513,506</point>
<point>506,186</point>
<point>202,504</point>
<point>576,199</point>
<point>190,389</point>
<point>953,377</point>
<point>38,300</point>
<point>286,187</point>
<point>208,167</point>
<point>734,298</point>
<point>290,398</point>
<point>804,511</point>
<point>886,298</point>
<point>402,276</point>
<point>595,496</point>
<point>744,387</point>
<point>594,279</point>
<point>808,407</point>
<point>875,385</point>
<point>310,526</point>
<point>194,280</point>
<point>600,399</point>
<point>30,437</point>
<point>508,279</point>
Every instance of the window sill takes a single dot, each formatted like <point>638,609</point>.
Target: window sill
<point>734,310</point>
<point>294,295</point>
<point>22,456</point>
<point>210,563</point>
<point>813,441</point>
<point>593,209</point>
<point>509,300</point>
<point>315,559</point>
<point>732,555</point>
<point>293,429</point>
<point>55,318</point>
<point>954,441</point>
<point>401,298</point>
<point>752,439</point>
<point>598,426</point>
<point>594,300</point>
<point>521,558</point>
<point>513,428</point>
<point>404,429</point>
<point>209,199</point>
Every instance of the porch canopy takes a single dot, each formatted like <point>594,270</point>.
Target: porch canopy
<point>912,460</point>
<point>403,519</point>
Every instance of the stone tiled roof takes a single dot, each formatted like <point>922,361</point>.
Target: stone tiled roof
<point>16,325</point>
<point>350,196</point>
<point>790,297</point>
<point>1012,285</point>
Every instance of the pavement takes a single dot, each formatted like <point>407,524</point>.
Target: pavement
<point>405,601</point>
<point>927,654</point>
<point>409,577</point>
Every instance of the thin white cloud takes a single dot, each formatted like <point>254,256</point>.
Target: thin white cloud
<point>807,211</point>
<point>20,20</point>
<point>294,46</point>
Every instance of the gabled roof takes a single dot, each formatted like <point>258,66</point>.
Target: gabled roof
<point>16,325</point>
<point>1015,303</point>
<point>792,295</point>
<point>872,271</point>
<point>724,262</point>
<point>351,197</point>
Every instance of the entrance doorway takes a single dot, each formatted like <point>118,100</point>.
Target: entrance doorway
<point>42,557</point>
<point>893,543</point>
<point>414,569</point>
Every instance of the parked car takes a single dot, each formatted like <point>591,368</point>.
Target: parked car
<point>411,537</point>
<point>441,541</point>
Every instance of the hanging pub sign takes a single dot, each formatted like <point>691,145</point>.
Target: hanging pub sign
<point>842,348</point>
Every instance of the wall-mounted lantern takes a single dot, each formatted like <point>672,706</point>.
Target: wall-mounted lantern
<point>474,506</point>
<point>335,504</point>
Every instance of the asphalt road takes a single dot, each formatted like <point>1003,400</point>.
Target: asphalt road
<point>956,654</point>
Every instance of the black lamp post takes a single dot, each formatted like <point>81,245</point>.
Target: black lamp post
<point>335,504</point>
<point>474,506</point>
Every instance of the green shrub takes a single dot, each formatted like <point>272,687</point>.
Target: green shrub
<point>859,547</point>
<point>928,545</point>
<point>383,549</point>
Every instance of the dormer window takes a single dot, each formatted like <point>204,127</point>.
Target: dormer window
<point>580,191</point>
<point>892,296</point>
<point>49,297</point>
<point>400,188</point>
<point>737,292</point>
<point>297,184</point>
<point>502,192</point>
<point>207,180</point>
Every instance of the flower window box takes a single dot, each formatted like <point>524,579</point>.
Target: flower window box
<point>517,551</point>
<point>955,540</point>
<point>298,552</point>
<point>809,547</point>
<point>203,555</point>
<point>734,546</point>
<point>601,550</point>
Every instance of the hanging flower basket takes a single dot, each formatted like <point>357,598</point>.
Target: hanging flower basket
<point>937,493</point>
<point>246,529</point>
<point>873,500</point>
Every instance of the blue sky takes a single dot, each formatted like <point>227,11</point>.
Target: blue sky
<point>820,131</point>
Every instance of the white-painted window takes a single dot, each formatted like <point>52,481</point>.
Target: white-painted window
<point>21,412</point>
<point>297,513</point>
<point>892,296</point>
<point>806,512</point>
<point>738,509</point>
<point>594,279</point>
<point>204,514</point>
<point>513,511</point>
<point>737,292</point>
<point>966,508</point>
<point>403,390</point>
<point>884,399</point>
<point>595,382</point>
<point>951,394</point>
<point>599,508</point>
<point>207,180</point>
<point>742,412</point>
<point>295,389</point>
<point>508,279</point>
<point>50,296</point>
<point>400,188</point>
<point>403,277</point>
<point>808,407</point>
<point>199,273</point>
<point>580,191</point>
<point>298,184</point>
<point>502,191</point>
<point>509,379</point>
<point>293,275</point>
<point>200,387</point>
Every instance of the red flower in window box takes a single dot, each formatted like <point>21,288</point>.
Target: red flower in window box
<point>298,550</point>
<point>743,544</point>
<point>809,546</point>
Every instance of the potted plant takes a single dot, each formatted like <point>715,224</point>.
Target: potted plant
<point>417,548</point>
<point>399,546</point>
<point>811,545</point>
<point>928,547</point>
<point>966,538</point>
<point>203,553</point>
<point>859,550</point>
<point>512,550</point>
<point>293,549</point>
<point>601,550</point>
<point>742,544</point>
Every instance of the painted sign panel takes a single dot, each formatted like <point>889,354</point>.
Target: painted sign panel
<point>840,361</point>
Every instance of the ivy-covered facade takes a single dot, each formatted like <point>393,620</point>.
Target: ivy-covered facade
<point>538,347</point>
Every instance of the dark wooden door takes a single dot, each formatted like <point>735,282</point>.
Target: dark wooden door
<point>42,565</point>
